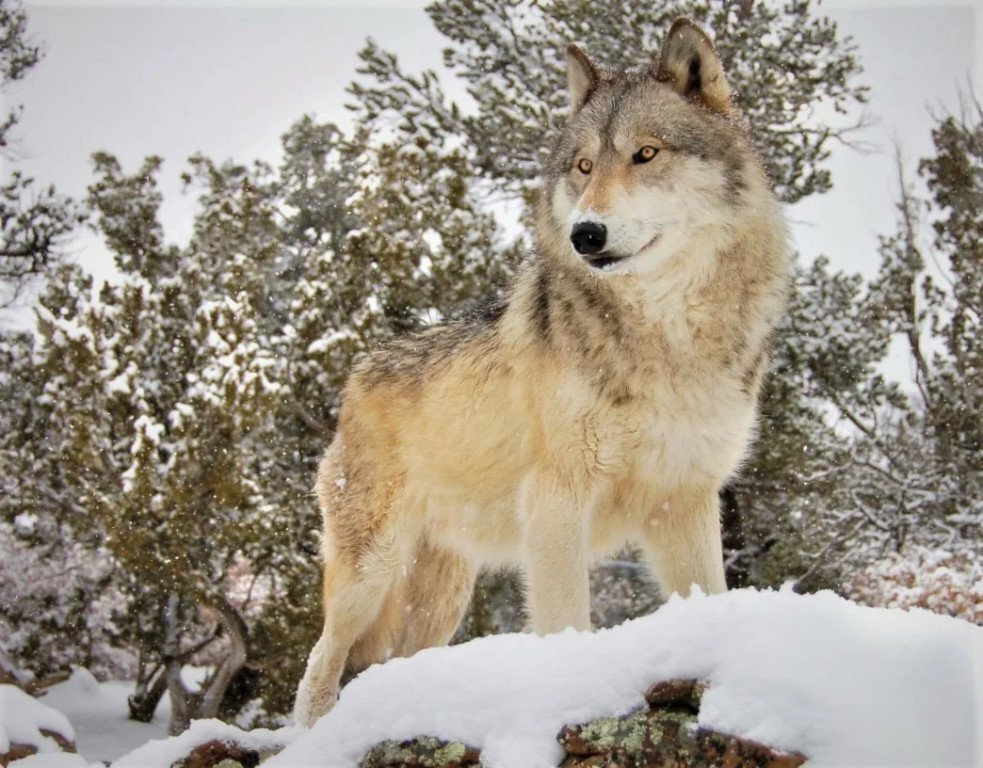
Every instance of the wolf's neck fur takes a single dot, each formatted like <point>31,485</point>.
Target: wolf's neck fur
<point>626,330</point>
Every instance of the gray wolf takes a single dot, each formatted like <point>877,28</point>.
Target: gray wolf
<point>605,400</point>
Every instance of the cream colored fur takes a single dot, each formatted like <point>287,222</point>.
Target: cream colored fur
<point>598,408</point>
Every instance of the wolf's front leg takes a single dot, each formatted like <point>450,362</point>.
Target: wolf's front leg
<point>682,542</point>
<point>555,554</point>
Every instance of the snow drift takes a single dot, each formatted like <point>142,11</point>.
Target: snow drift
<point>842,684</point>
<point>816,674</point>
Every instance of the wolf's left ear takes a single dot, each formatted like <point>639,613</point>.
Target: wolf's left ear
<point>689,64</point>
<point>582,77</point>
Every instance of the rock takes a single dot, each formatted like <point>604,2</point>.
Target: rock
<point>613,738</point>
<point>664,734</point>
<point>30,724</point>
<point>17,751</point>
<point>684,693</point>
<point>661,734</point>
<point>220,754</point>
<point>424,752</point>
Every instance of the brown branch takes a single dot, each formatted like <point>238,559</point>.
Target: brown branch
<point>922,372</point>
<point>238,632</point>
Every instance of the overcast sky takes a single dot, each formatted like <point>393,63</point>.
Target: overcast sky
<point>228,78</point>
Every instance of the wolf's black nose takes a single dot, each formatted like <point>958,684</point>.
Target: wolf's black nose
<point>588,237</point>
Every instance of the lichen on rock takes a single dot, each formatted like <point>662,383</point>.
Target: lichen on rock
<point>665,734</point>
<point>422,752</point>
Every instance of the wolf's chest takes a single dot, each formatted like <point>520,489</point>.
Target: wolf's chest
<point>695,434</point>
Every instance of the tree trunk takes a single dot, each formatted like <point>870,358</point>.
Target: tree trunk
<point>734,541</point>
<point>232,622</point>
<point>150,690</point>
<point>187,705</point>
<point>181,697</point>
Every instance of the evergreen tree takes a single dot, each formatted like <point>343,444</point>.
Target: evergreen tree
<point>156,387</point>
<point>57,604</point>
<point>915,479</point>
<point>32,222</point>
<point>780,63</point>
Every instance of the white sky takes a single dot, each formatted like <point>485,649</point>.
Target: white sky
<point>228,78</point>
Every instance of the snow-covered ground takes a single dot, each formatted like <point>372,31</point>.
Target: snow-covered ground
<point>93,713</point>
<point>843,684</point>
<point>98,712</point>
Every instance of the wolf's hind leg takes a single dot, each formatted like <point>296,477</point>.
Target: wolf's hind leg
<point>682,543</point>
<point>353,598</point>
<point>381,640</point>
<point>436,594</point>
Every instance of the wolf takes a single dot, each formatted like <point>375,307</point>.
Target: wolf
<point>604,401</point>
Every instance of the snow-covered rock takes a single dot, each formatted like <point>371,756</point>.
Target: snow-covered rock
<point>29,727</point>
<point>842,684</point>
<point>839,683</point>
<point>167,752</point>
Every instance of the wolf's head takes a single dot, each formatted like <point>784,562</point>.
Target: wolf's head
<point>650,161</point>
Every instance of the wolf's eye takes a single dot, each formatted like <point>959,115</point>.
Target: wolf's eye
<point>584,165</point>
<point>645,154</point>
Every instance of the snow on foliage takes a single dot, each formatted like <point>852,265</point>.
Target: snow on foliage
<point>933,579</point>
<point>56,609</point>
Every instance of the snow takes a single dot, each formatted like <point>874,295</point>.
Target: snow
<point>22,718</point>
<point>52,760</point>
<point>165,752</point>
<point>99,711</point>
<point>843,684</point>
<point>25,522</point>
<point>322,345</point>
<point>936,579</point>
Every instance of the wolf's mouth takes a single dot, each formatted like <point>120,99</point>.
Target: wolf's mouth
<point>604,260</point>
<point>607,261</point>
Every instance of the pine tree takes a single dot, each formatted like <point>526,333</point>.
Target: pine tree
<point>915,479</point>
<point>780,63</point>
<point>33,222</point>
<point>58,607</point>
<point>156,387</point>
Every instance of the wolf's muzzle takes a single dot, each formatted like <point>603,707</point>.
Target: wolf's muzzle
<point>588,237</point>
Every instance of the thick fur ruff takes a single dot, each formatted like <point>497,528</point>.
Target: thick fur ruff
<point>603,402</point>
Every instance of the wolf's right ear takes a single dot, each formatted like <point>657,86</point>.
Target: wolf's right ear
<point>690,65</point>
<point>582,77</point>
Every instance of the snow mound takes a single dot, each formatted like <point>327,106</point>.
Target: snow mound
<point>166,752</point>
<point>843,684</point>
<point>99,713</point>
<point>22,718</point>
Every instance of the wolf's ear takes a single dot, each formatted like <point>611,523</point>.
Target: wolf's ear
<point>690,65</point>
<point>582,77</point>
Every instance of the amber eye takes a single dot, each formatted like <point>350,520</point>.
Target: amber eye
<point>584,165</point>
<point>645,154</point>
